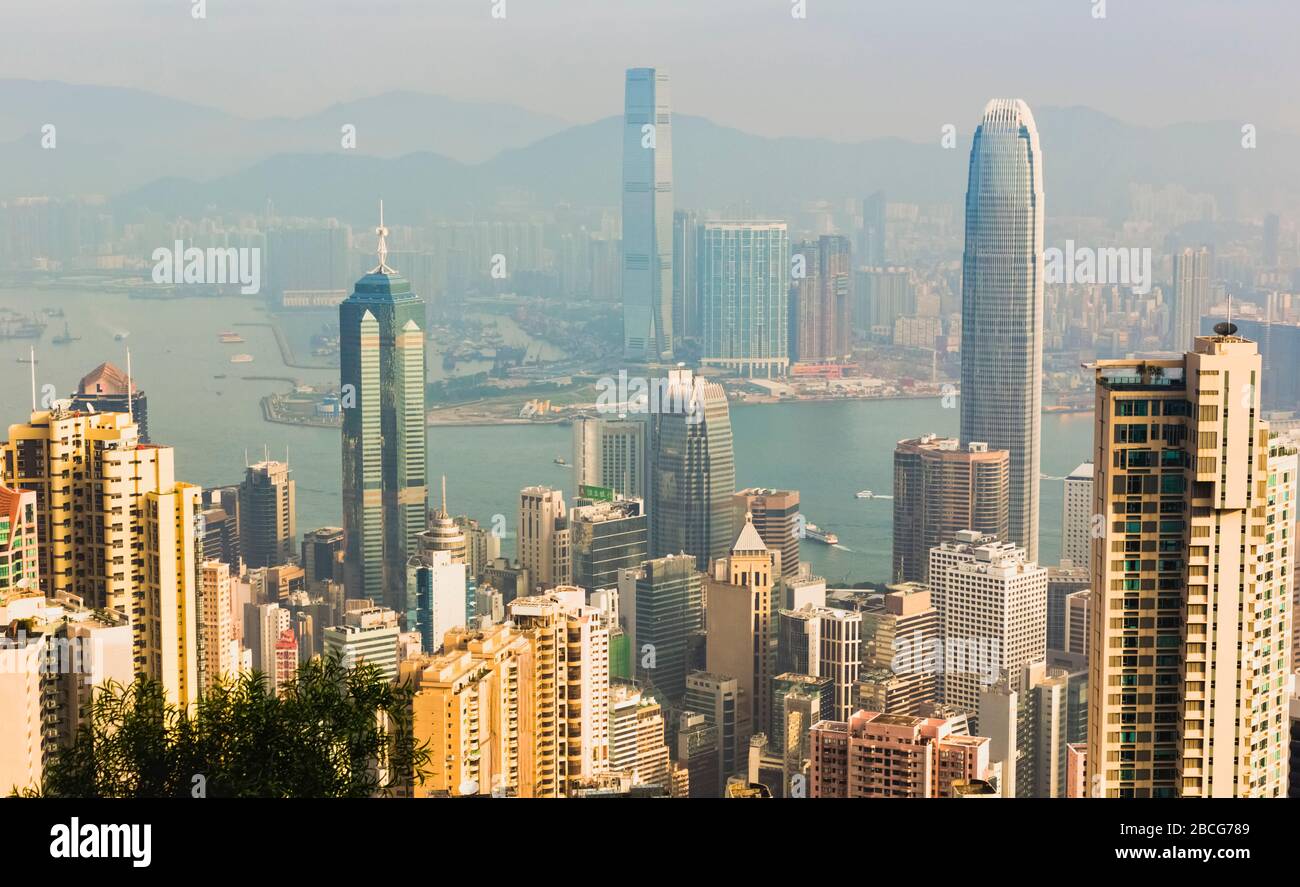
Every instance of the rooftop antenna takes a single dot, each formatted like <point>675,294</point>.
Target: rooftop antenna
<point>130,389</point>
<point>382,231</point>
<point>31,354</point>
<point>444,495</point>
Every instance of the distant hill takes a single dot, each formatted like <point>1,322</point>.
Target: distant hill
<point>431,155</point>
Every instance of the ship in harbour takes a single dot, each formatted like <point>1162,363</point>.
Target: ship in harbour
<point>817,534</point>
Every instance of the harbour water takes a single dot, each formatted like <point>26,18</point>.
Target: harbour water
<point>827,451</point>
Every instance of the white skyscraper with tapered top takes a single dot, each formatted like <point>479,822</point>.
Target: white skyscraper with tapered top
<point>1002,303</point>
<point>647,216</point>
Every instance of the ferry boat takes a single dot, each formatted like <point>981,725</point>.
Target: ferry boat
<point>559,460</point>
<point>817,534</point>
<point>229,338</point>
<point>241,358</point>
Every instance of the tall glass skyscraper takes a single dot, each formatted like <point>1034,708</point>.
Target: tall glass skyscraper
<point>647,217</point>
<point>385,483</point>
<point>693,473</point>
<point>1002,304</point>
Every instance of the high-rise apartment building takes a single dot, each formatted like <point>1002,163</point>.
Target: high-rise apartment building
<point>470,704</point>
<point>18,541</point>
<point>218,649</point>
<point>693,473</point>
<point>1002,304</point>
<point>1189,626</point>
<point>1076,517</point>
<point>881,296</point>
<point>385,478</point>
<point>100,496</point>
<point>744,280</point>
<point>570,688</point>
<point>1031,716</point>
<point>992,604</point>
<point>875,755</point>
<point>636,736</point>
<point>941,487</point>
<point>267,514</point>
<point>647,216</point>
<point>1191,296</point>
<point>611,452</point>
<point>820,301</point>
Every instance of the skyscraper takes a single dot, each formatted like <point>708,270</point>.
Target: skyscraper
<point>381,344</point>
<point>1191,296</point>
<point>1076,517</point>
<point>605,538</point>
<point>543,541</point>
<point>1189,641</point>
<point>775,514</point>
<point>1002,304</point>
<point>820,303</point>
<point>744,280</point>
<point>267,514</point>
<point>686,293</point>
<point>992,603</point>
<point>99,489</point>
<point>693,472</point>
<point>873,229</point>
<point>610,451</point>
<point>647,216</point>
<point>663,605</point>
<point>740,617</point>
<point>940,488</point>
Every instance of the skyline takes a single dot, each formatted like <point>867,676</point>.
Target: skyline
<point>960,464</point>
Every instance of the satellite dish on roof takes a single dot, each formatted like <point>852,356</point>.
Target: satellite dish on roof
<point>1225,329</point>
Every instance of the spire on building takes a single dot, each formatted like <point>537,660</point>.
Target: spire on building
<point>382,232</point>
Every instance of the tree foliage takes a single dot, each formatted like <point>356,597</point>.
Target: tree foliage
<point>332,732</point>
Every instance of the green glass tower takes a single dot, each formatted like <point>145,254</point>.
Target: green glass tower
<point>385,483</point>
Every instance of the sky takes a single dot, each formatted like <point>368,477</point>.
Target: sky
<point>849,70</point>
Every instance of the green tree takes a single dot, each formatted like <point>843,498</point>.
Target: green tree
<point>333,732</point>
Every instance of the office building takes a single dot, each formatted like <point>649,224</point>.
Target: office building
<point>636,736</point>
<point>385,478</point>
<point>440,598</point>
<point>647,216</point>
<point>1062,582</point>
<point>663,608</point>
<point>941,487</point>
<point>694,473</point>
<point>367,635</point>
<point>739,594</point>
<point>1031,716</point>
<point>686,293</point>
<point>992,604</point>
<point>322,555</point>
<point>896,626</point>
<point>267,515</point>
<point>775,514</point>
<point>543,543</point>
<point>882,296</point>
<point>606,537</point>
<point>611,452</point>
<point>1002,304</point>
<point>697,753</point>
<point>718,699</point>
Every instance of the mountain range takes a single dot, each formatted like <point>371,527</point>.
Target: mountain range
<point>429,156</point>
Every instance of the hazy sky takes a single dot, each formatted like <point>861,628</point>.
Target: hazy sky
<point>850,70</point>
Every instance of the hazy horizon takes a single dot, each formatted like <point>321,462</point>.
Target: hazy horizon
<point>746,64</point>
